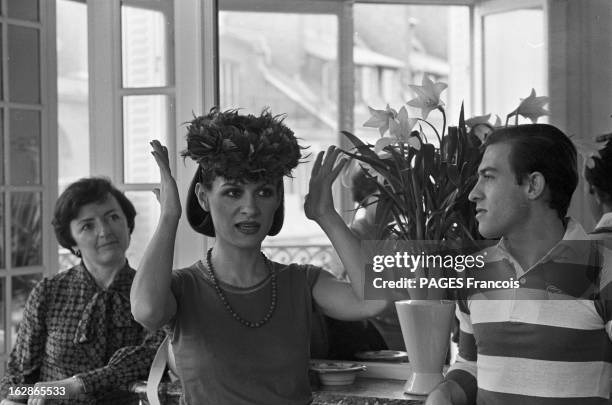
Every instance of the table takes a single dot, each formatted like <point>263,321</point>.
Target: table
<point>364,391</point>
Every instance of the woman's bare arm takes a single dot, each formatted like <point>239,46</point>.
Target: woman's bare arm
<point>152,301</point>
<point>335,297</point>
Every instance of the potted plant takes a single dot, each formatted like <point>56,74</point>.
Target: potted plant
<point>423,183</point>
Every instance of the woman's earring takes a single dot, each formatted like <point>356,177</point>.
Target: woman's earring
<point>77,252</point>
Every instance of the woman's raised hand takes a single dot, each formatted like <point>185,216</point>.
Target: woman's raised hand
<point>319,200</point>
<point>168,195</point>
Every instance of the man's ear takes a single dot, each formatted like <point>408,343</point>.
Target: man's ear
<point>202,196</point>
<point>536,185</point>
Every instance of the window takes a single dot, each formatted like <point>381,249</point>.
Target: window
<point>289,60</point>
<point>72,101</point>
<point>27,134</point>
<point>147,97</point>
<point>134,86</point>
<point>282,61</point>
<point>396,44</point>
<point>513,64</point>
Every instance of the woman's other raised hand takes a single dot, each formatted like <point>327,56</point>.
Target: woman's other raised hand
<point>167,195</point>
<point>319,201</point>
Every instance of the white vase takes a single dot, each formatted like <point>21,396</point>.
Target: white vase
<point>426,327</point>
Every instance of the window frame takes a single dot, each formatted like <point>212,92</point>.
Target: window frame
<point>47,188</point>
<point>105,66</point>
<point>107,101</point>
<point>483,9</point>
<point>343,10</point>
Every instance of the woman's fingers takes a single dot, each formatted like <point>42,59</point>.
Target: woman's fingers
<point>336,171</point>
<point>328,164</point>
<point>160,153</point>
<point>160,150</point>
<point>316,166</point>
<point>330,157</point>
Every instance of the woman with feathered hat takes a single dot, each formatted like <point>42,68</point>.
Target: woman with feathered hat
<point>241,323</point>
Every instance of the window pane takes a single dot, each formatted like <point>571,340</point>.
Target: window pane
<point>73,89</point>
<point>25,147</point>
<point>287,62</point>
<point>144,46</point>
<point>147,215</point>
<point>2,319</point>
<point>26,229</point>
<point>395,45</point>
<point>2,180</point>
<point>1,67</point>
<point>23,9</point>
<point>23,64</point>
<point>2,222</point>
<point>514,59</point>
<point>144,118</point>
<point>21,287</point>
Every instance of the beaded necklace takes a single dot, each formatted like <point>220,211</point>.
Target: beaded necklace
<point>227,305</point>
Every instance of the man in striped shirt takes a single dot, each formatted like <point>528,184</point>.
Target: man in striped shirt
<point>548,341</point>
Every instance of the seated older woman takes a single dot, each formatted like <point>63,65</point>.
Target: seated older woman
<point>78,340</point>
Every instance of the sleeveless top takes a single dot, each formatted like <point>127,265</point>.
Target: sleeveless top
<point>220,361</point>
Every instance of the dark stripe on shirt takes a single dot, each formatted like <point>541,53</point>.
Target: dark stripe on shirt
<point>467,346</point>
<point>542,342</point>
<point>497,398</point>
<point>577,280</point>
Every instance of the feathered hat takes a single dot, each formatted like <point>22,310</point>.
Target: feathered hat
<point>242,148</point>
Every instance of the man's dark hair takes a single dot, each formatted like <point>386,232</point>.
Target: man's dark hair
<point>600,175</point>
<point>546,149</point>
<point>82,192</point>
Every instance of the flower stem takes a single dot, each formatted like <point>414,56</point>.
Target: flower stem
<point>443,122</point>
<point>434,129</point>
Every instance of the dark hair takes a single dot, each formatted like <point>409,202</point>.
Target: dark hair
<point>546,149</point>
<point>82,192</point>
<point>242,148</point>
<point>600,175</point>
<point>362,186</point>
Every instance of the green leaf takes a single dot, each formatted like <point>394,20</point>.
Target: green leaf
<point>453,174</point>
<point>382,143</point>
<point>462,118</point>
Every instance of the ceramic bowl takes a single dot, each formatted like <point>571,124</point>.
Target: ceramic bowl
<point>337,373</point>
<point>383,355</point>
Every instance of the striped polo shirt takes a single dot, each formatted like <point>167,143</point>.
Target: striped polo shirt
<point>546,342</point>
